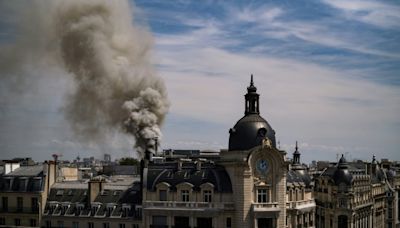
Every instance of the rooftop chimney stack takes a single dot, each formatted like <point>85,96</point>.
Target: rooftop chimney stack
<point>96,185</point>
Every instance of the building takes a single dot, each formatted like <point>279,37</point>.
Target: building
<point>105,202</point>
<point>357,194</point>
<point>249,185</point>
<point>23,191</point>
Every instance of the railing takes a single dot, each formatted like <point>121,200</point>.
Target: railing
<point>188,205</point>
<point>271,206</point>
<point>300,204</point>
<point>27,210</point>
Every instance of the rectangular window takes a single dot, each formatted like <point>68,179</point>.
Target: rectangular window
<point>20,204</point>
<point>4,201</point>
<point>106,225</point>
<point>90,225</point>
<point>185,195</point>
<point>207,196</point>
<point>121,225</point>
<point>34,204</point>
<point>17,222</point>
<point>48,224</point>
<point>163,195</point>
<point>60,224</point>
<point>262,195</point>
<point>75,224</point>
<point>33,222</point>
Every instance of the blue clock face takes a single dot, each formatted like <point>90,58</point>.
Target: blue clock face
<point>262,165</point>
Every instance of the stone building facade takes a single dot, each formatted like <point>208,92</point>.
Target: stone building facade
<point>252,184</point>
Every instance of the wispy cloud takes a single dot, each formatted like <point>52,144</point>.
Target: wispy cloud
<point>371,12</point>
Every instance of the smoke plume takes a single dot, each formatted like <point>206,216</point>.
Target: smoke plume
<point>108,57</point>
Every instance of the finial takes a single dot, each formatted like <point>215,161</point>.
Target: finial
<point>296,146</point>
<point>251,80</point>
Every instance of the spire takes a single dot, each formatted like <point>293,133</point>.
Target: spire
<point>296,155</point>
<point>251,99</point>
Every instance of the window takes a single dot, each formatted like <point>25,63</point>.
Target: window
<point>228,222</point>
<point>2,221</point>
<point>121,225</point>
<point>163,195</point>
<point>5,203</point>
<point>262,196</point>
<point>60,224</point>
<point>159,220</point>
<point>75,224</point>
<point>90,225</point>
<point>342,202</point>
<point>207,196</point>
<point>32,222</point>
<point>48,224</point>
<point>17,222</point>
<point>34,204</point>
<point>185,195</point>
<point>20,204</point>
<point>106,225</point>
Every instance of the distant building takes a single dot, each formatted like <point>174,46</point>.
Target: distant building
<point>357,195</point>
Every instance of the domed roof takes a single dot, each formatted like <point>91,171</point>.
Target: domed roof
<point>342,174</point>
<point>251,130</point>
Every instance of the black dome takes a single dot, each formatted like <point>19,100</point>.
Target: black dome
<point>342,174</point>
<point>249,132</point>
<point>252,129</point>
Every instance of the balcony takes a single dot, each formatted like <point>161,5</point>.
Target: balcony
<point>301,205</point>
<point>261,207</point>
<point>192,206</point>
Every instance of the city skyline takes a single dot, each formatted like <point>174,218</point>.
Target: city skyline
<point>326,71</point>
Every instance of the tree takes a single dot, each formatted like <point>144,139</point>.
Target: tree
<point>129,161</point>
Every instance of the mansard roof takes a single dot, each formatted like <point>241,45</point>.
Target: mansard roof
<point>173,175</point>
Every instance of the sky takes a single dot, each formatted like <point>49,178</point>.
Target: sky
<point>328,75</point>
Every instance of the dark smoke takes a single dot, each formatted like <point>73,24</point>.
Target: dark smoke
<point>108,57</point>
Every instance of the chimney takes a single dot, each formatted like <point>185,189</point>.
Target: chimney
<point>51,173</point>
<point>96,185</point>
<point>10,166</point>
<point>199,163</point>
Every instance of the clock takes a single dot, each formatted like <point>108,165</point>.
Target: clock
<point>262,166</point>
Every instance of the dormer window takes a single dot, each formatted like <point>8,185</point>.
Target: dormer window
<point>79,209</point>
<point>94,209</point>
<point>207,196</point>
<point>185,190</point>
<point>163,195</point>
<point>110,209</point>
<point>207,190</point>
<point>185,195</point>
<point>163,189</point>
<point>126,210</point>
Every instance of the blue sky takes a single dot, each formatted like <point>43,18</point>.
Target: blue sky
<point>327,72</point>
